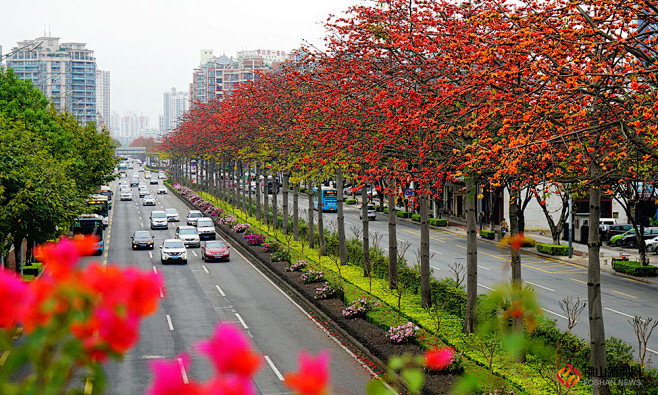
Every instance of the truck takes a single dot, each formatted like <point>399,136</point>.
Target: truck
<point>90,224</point>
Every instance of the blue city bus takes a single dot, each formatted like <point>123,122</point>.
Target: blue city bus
<point>90,224</point>
<point>329,198</point>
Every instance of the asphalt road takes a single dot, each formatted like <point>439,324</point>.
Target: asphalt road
<point>552,280</point>
<point>198,295</point>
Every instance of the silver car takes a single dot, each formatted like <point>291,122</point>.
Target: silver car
<point>149,200</point>
<point>188,235</point>
<point>173,250</point>
<point>206,228</point>
<point>172,215</point>
<point>193,216</point>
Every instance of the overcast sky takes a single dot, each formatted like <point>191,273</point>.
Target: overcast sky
<point>151,46</point>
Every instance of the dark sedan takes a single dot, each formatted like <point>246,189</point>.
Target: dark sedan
<point>142,239</point>
<point>215,250</point>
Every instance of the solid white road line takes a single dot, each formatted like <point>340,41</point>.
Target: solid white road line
<point>484,286</point>
<point>155,270</point>
<point>541,286</point>
<point>244,325</point>
<point>205,269</point>
<point>220,290</point>
<point>171,325</point>
<point>554,313</point>
<point>619,312</point>
<point>276,371</point>
<point>483,267</point>
<point>318,324</point>
<point>653,351</point>
<point>436,252</point>
<point>183,373</point>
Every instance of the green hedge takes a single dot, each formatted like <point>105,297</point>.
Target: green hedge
<point>552,249</point>
<point>487,234</point>
<point>415,217</point>
<point>385,210</point>
<point>633,268</point>
<point>402,214</point>
<point>350,201</point>
<point>438,221</point>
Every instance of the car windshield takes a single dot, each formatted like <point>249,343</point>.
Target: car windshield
<point>143,234</point>
<point>205,222</point>
<point>195,215</point>
<point>187,232</point>
<point>173,244</point>
<point>158,214</point>
<point>215,244</point>
<point>171,211</point>
<point>148,197</point>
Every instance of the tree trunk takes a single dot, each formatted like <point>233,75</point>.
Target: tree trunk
<point>517,285</point>
<point>258,211</point>
<point>295,212</point>
<point>18,254</point>
<point>311,236</point>
<point>366,236</point>
<point>321,240</point>
<point>471,258</point>
<point>595,309</point>
<point>425,293</point>
<point>266,197</point>
<point>340,218</point>
<point>251,201</point>
<point>275,198</point>
<point>286,178</point>
<point>392,242</point>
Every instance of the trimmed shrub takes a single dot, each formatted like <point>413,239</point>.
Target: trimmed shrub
<point>415,217</point>
<point>451,298</point>
<point>487,234</point>
<point>350,201</point>
<point>438,222</point>
<point>552,249</point>
<point>385,210</point>
<point>380,209</point>
<point>633,268</point>
<point>402,214</point>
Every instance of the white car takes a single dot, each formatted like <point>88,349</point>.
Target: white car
<point>143,192</point>
<point>206,228</point>
<point>188,235</point>
<point>193,216</point>
<point>126,195</point>
<point>159,220</point>
<point>162,190</point>
<point>172,215</point>
<point>162,176</point>
<point>149,200</point>
<point>173,250</point>
<point>652,244</point>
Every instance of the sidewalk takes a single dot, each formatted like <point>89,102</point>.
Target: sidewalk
<point>580,254</point>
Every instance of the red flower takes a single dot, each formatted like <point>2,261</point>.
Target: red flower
<point>36,314</point>
<point>439,358</point>
<point>230,351</point>
<point>13,293</point>
<point>312,378</point>
<point>60,258</point>
<point>120,332</point>
<point>229,385</point>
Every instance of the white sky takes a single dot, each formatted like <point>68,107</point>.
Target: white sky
<point>151,46</point>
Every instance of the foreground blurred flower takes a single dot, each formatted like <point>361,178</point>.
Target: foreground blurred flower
<point>230,351</point>
<point>312,378</point>
<point>439,358</point>
<point>169,380</point>
<point>60,258</point>
<point>13,293</point>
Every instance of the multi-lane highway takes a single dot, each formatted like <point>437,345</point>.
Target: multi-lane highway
<point>200,294</point>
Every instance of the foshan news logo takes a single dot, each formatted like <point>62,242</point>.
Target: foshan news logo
<point>569,376</point>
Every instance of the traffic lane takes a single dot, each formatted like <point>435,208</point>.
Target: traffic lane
<point>175,327</point>
<point>279,328</point>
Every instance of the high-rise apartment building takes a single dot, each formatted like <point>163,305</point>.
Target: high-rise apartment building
<point>64,72</point>
<point>175,104</point>
<point>129,126</point>
<point>217,76</point>
<point>103,99</point>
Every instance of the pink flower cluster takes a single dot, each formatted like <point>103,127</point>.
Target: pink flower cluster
<point>235,364</point>
<point>402,333</point>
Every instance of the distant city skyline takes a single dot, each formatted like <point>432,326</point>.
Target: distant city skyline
<point>150,49</point>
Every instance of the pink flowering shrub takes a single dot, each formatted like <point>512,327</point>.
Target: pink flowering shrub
<point>312,276</point>
<point>359,308</point>
<point>255,239</point>
<point>402,333</point>
<point>297,266</point>
<point>240,228</point>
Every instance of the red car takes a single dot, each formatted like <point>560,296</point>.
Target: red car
<point>215,250</point>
